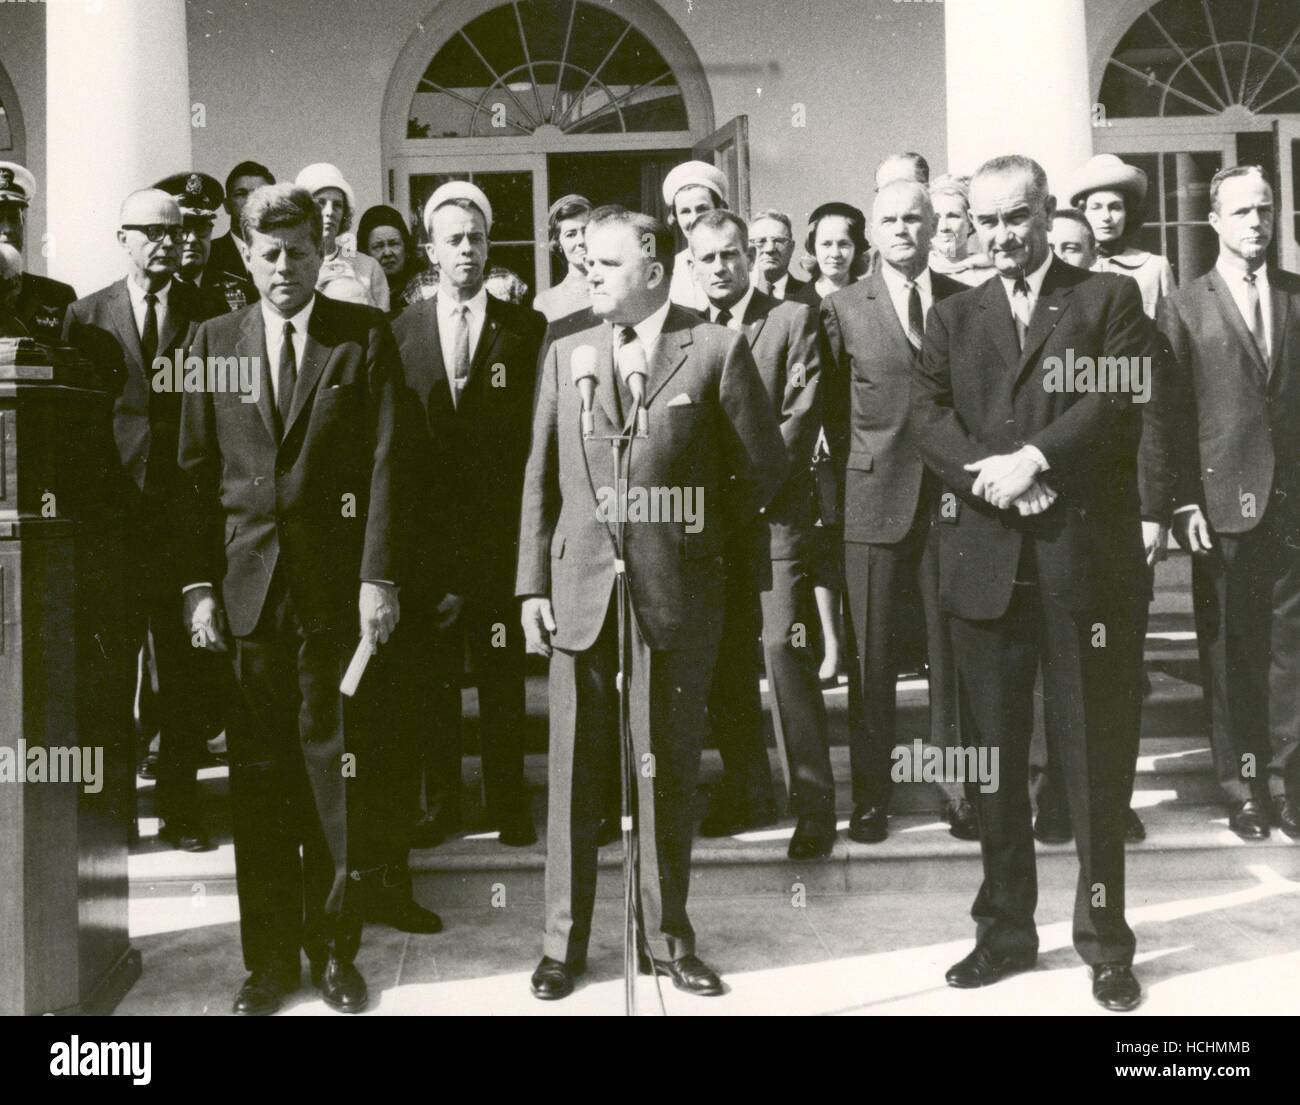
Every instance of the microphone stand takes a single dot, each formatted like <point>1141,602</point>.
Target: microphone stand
<point>634,936</point>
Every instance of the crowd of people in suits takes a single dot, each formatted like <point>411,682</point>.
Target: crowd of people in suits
<point>890,484</point>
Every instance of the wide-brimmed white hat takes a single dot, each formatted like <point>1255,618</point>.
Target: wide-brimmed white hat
<point>324,175</point>
<point>1106,172</point>
<point>695,174</point>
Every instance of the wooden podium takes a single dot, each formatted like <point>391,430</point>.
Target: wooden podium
<point>64,943</point>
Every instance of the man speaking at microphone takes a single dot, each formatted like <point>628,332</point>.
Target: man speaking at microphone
<point>712,441</point>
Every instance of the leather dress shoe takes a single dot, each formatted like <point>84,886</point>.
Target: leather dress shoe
<point>868,825</point>
<point>984,967</point>
<point>516,829</point>
<point>961,821</point>
<point>554,980</point>
<point>148,767</point>
<point>340,985</point>
<point>727,818</point>
<point>1286,816</point>
<point>185,835</point>
<point>1052,825</point>
<point>432,829</point>
<point>814,837</point>
<point>1115,987</point>
<point>1134,831</point>
<point>263,991</point>
<point>1249,821</point>
<point>401,911</point>
<point>689,973</point>
<point>609,831</point>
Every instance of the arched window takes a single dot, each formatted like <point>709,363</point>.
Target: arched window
<point>1203,57</point>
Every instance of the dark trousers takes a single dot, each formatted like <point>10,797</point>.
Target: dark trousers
<point>1246,595</point>
<point>490,627</point>
<point>735,706</point>
<point>798,710</point>
<point>880,583</point>
<point>997,662</point>
<point>667,692</point>
<point>287,790</point>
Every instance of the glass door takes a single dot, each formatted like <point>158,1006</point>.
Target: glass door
<point>514,185</point>
<point>1286,134</point>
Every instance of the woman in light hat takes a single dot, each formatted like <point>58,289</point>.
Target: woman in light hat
<point>343,261</point>
<point>1112,196</point>
<point>690,190</point>
<point>950,250</point>
<point>566,223</point>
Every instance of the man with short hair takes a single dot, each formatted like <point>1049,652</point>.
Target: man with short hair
<point>346,272</point>
<point>226,271</point>
<point>122,328</point>
<point>1072,238</point>
<point>711,434</point>
<point>769,580</point>
<point>691,189</point>
<point>41,302</point>
<point>874,332</point>
<point>470,360</point>
<point>1232,460</point>
<point>906,166</point>
<point>299,488</point>
<point>771,237</point>
<point>1041,560</point>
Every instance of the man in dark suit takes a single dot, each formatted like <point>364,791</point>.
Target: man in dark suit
<point>874,332</point>
<point>1042,559</point>
<point>299,487</point>
<point>712,458</point>
<point>1232,454</point>
<point>771,237</point>
<point>41,302</point>
<point>123,328</point>
<point>471,361</point>
<point>225,271</point>
<point>769,581</point>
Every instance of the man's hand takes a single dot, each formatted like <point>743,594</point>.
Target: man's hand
<point>539,623</point>
<point>1155,539</point>
<point>1192,531</point>
<point>203,618</point>
<point>448,610</point>
<point>379,611</point>
<point>1002,479</point>
<point>1036,500</point>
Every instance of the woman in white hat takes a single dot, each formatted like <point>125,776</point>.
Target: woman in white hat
<point>344,264</point>
<point>690,190</point>
<point>1112,196</point>
<point>566,224</point>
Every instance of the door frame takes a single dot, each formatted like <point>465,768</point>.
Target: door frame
<point>1286,133</point>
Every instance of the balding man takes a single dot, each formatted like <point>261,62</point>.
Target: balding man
<point>874,331</point>
<point>122,328</point>
<point>1041,560</point>
<point>41,302</point>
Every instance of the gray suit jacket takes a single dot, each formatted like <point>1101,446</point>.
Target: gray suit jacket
<point>712,435</point>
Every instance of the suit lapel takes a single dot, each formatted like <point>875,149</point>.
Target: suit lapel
<point>671,351</point>
<point>1281,317</point>
<point>124,325</point>
<point>252,343</point>
<point>176,322</point>
<point>1227,307</point>
<point>756,313</point>
<point>606,383</point>
<point>882,303</point>
<point>487,340</point>
<point>315,354</point>
<point>1053,301</point>
<point>999,324</point>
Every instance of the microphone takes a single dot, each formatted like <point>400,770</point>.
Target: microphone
<point>634,376</point>
<point>582,365</point>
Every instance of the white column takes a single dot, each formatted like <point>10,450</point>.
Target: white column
<point>118,119</point>
<point>1017,80</point>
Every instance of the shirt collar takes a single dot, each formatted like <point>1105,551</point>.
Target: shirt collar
<point>779,286</point>
<point>1034,279</point>
<point>738,308</point>
<point>1130,259</point>
<point>137,293</point>
<point>650,327</point>
<point>896,282</point>
<point>275,323</point>
<point>477,306</point>
<point>1232,270</point>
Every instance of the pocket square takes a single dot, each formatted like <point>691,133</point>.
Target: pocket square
<point>682,400</point>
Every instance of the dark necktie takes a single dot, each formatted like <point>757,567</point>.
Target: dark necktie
<point>724,317</point>
<point>1020,309</point>
<point>915,318</point>
<point>1255,315</point>
<point>286,376</point>
<point>149,332</point>
<point>459,351</point>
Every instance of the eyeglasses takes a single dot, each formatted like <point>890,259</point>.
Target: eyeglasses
<point>763,243</point>
<point>155,232</point>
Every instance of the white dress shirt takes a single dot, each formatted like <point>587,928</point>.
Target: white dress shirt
<point>274,324</point>
<point>447,310</point>
<point>139,306</point>
<point>737,310</point>
<point>778,289</point>
<point>684,289</point>
<point>647,332</point>
<point>900,291</point>
<point>1233,273</point>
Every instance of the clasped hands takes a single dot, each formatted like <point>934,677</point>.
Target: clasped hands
<point>1011,480</point>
